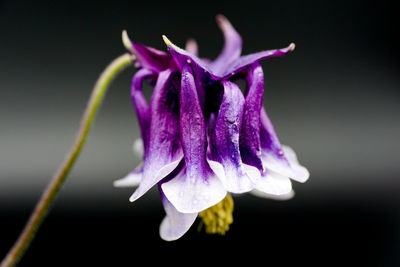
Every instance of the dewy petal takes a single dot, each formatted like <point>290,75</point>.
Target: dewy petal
<point>225,142</point>
<point>164,150</point>
<point>140,103</point>
<point>148,57</point>
<point>196,187</point>
<point>193,191</point>
<point>250,147</point>
<point>175,224</point>
<point>274,184</point>
<point>245,61</point>
<point>278,158</point>
<point>232,47</point>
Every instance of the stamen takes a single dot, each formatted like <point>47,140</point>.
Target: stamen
<point>218,217</point>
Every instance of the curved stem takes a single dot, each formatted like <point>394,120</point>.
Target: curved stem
<point>48,196</point>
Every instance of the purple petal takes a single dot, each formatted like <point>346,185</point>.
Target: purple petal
<point>250,147</point>
<point>207,75</point>
<point>164,150</point>
<point>192,126</point>
<point>225,142</point>
<point>211,120</point>
<point>279,159</point>
<point>182,58</point>
<point>268,137</point>
<point>175,224</point>
<point>140,103</point>
<point>245,61</point>
<point>148,57</point>
<point>152,59</point>
<point>232,47</point>
<point>196,187</point>
<point>203,75</point>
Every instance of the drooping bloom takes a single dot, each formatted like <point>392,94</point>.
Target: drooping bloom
<point>202,137</point>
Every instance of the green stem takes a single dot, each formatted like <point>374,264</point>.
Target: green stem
<point>48,196</point>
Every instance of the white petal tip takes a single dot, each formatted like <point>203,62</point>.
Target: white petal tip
<point>301,180</point>
<point>289,167</point>
<point>176,225</point>
<point>302,174</point>
<point>117,183</point>
<point>132,199</point>
<point>292,46</point>
<point>194,200</point>
<point>131,180</point>
<point>122,183</point>
<point>274,184</point>
<point>282,197</point>
<point>167,232</point>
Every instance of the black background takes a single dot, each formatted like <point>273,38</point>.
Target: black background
<point>335,100</point>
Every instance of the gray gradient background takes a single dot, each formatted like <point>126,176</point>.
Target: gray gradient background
<point>335,100</point>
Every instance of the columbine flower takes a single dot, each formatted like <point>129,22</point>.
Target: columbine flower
<point>202,137</point>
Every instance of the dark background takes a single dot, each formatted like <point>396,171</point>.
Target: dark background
<point>335,100</point>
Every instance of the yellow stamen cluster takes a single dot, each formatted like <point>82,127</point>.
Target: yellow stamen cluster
<point>218,217</point>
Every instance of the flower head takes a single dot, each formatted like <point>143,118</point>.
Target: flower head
<point>202,137</point>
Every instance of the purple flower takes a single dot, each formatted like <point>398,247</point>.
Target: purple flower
<point>202,138</point>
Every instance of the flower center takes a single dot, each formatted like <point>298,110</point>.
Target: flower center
<point>218,217</point>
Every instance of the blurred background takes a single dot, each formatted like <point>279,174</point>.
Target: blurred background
<point>335,100</point>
